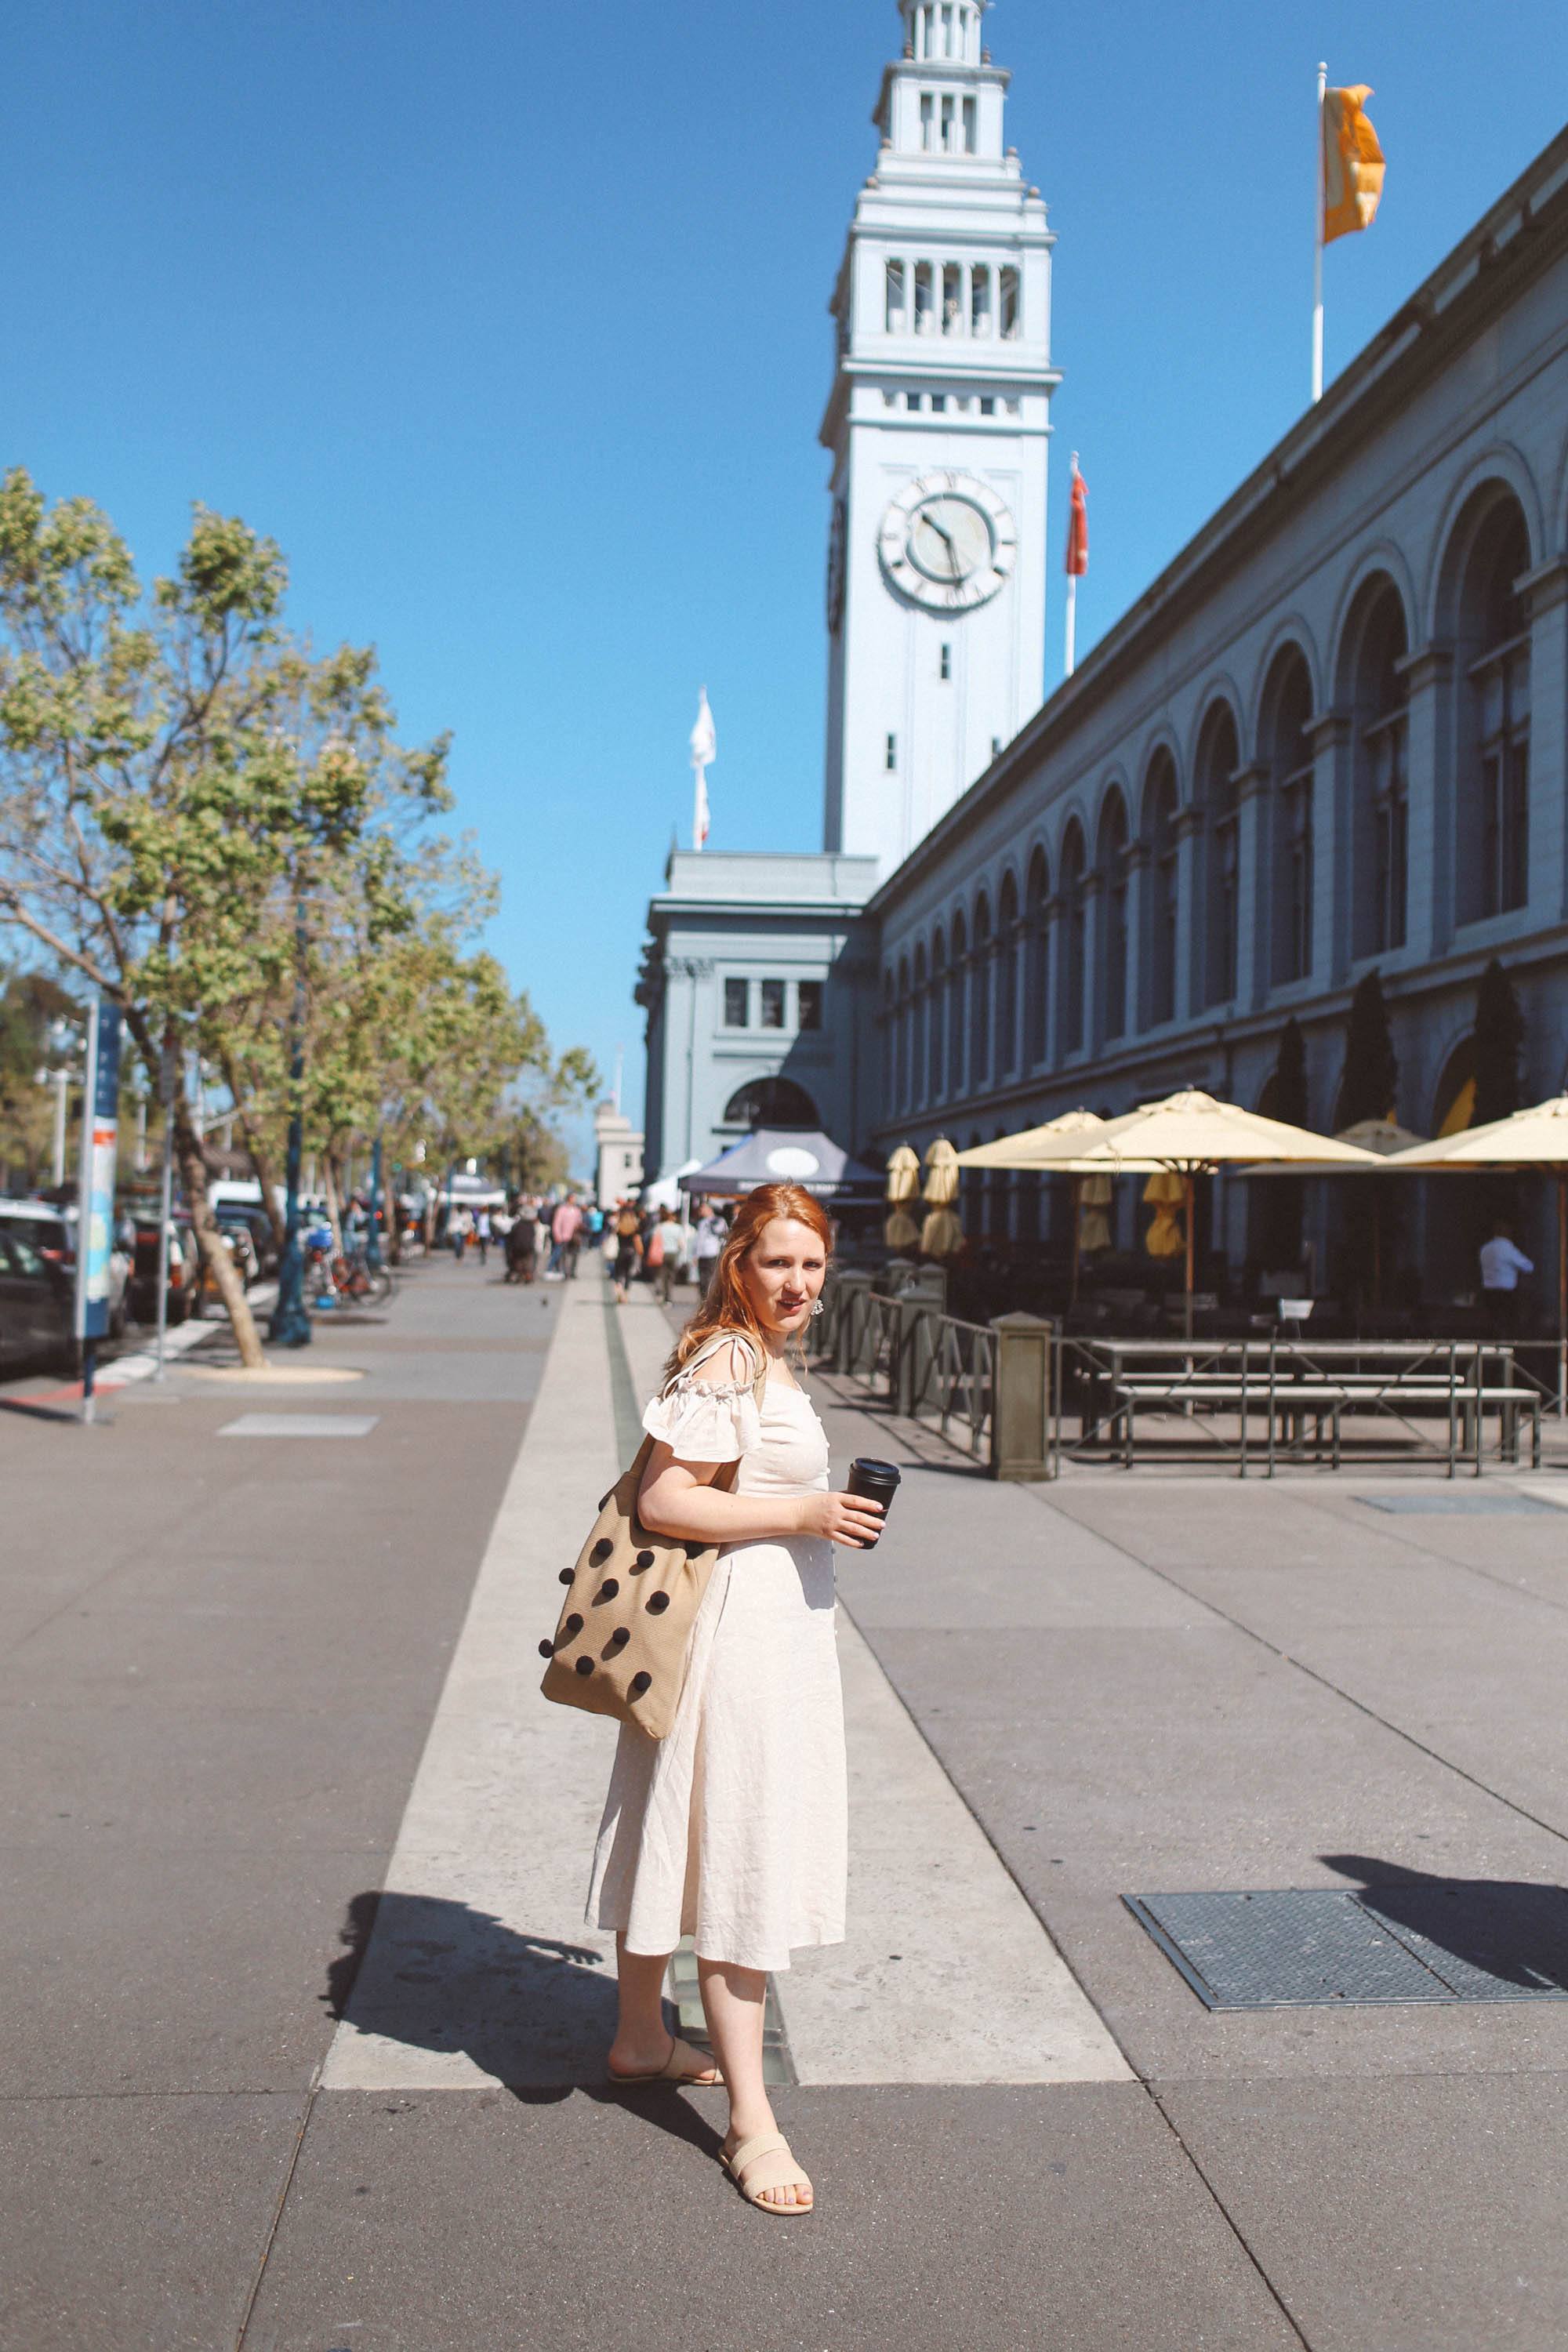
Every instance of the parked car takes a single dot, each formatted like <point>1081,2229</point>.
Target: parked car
<point>52,1232</point>
<point>257,1224</point>
<point>37,1302</point>
<point>143,1285</point>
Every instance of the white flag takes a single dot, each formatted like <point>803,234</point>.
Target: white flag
<point>704,741</point>
<point>699,816</point>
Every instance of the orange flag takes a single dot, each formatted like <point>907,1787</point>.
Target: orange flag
<point>1353,163</point>
<point>1078,527</point>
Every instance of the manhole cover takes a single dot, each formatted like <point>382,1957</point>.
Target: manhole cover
<point>1432,1940</point>
<point>300,1425</point>
<point>1456,1507</point>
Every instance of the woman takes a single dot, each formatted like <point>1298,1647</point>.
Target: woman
<point>629,1251</point>
<point>734,1829</point>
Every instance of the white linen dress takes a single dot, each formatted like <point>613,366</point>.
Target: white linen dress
<point>734,1829</point>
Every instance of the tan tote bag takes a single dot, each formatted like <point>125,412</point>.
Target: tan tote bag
<point>626,1623</point>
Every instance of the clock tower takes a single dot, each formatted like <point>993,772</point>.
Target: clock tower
<point>938,423</point>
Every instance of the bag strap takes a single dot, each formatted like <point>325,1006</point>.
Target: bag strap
<point>722,1338</point>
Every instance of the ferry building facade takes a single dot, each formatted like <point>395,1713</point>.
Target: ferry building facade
<point>1329,738</point>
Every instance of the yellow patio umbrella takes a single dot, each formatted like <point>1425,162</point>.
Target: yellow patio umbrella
<point>900,1232</point>
<point>1193,1135</point>
<point>941,1236</point>
<point>1062,1148</point>
<point>1165,1194</point>
<point>1534,1139</point>
<point>941,1188</point>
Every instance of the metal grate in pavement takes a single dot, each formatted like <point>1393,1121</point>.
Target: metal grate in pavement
<point>300,1425</point>
<point>1457,1506</point>
<point>1428,1940</point>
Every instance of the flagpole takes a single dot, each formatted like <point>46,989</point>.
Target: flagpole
<point>1318,246</point>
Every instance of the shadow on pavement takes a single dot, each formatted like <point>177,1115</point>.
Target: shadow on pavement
<point>535,2013</point>
<point>1512,1931</point>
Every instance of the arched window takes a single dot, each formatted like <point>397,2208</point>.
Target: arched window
<point>1288,751</point>
<point>1373,686</point>
<point>980,999</point>
<point>1218,758</point>
<point>980,299</point>
<point>922,1012</point>
<point>1112,860</point>
<point>937,1017</point>
<point>1036,963</point>
<point>1007,978</point>
<point>1160,804</point>
<point>955,1079</point>
<point>896,312</point>
<point>1074,862</point>
<point>1493,775</point>
<point>775,1102</point>
<point>1008,304</point>
<point>952,298</point>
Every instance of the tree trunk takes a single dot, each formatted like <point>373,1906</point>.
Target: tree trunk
<point>260,1160</point>
<point>220,1265</point>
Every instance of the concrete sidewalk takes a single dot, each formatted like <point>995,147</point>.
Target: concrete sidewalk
<point>274,1769</point>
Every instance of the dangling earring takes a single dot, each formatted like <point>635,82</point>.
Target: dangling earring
<point>817,1307</point>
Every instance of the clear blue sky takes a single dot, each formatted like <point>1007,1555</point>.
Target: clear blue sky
<point>506,318</point>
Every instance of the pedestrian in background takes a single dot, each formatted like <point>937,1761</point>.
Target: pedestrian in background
<point>629,1251</point>
<point>709,1243</point>
<point>483,1236</point>
<point>1503,1263</point>
<point>460,1231</point>
<point>566,1227</point>
<point>521,1243</point>
<point>662,1254</point>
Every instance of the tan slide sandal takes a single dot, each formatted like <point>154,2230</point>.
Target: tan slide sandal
<point>684,2064</point>
<point>763,2161</point>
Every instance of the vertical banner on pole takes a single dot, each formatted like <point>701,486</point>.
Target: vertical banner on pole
<point>95,1185</point>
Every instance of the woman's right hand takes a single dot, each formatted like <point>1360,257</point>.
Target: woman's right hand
<point>850,1519</point>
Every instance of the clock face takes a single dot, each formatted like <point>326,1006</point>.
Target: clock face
<point>948,542</point>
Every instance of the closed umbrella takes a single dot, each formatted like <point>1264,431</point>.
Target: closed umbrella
<point>1538,1139</point>
<point>1192,1134</point>
<point>940,1187</point>
<point>900,1232</point>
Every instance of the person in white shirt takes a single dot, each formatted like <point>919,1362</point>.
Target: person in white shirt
<point>1503,1263</point>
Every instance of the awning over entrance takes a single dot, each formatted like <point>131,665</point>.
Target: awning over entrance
<point>787,1155</point>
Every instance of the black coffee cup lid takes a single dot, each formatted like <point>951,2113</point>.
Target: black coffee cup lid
<point>877,1469</point>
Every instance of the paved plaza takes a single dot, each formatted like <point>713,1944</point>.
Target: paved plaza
<point>305,2037</point>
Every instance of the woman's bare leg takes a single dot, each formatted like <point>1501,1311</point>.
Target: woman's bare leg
<point>642,2038</point>
<point>732,2000</point>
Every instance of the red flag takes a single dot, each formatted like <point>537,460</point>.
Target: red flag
<point>1078,527</point>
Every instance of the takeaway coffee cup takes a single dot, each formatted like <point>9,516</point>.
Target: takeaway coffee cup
<point>877,1481</point>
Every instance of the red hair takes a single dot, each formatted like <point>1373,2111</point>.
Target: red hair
<point>728,1306</point>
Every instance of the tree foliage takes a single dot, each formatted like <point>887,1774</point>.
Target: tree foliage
<point>199,813</point>
<point>1371,1081</point>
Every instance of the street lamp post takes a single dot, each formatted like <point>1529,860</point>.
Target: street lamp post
<point>290,1324</point>
<point>373,1247</point>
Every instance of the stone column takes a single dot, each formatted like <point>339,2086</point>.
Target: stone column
<point>1429,889</point>
<point>1545,591</point>
<point>1051,965</point>
<point>1137,856</point>
<point>1334,879</point>
<point>1255,823</point>
<point>1188,827</point>
<point>1093,888</point>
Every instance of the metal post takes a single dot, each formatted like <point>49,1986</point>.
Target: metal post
<point>373,1247</point>
<point>165,1197</point>
<point>290,1324</point>
<point>60,1080</point>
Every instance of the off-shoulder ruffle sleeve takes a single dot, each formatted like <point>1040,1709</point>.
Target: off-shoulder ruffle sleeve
<point>708,1414</point>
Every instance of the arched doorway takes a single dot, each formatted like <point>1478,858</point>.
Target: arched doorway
<point>771,1102</point>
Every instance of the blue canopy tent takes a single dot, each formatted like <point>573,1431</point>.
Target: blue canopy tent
<point>775,1155</point>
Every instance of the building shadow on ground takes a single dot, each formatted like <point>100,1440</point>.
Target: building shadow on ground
<point>1512,1931</point>
<point>536,2014</point>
